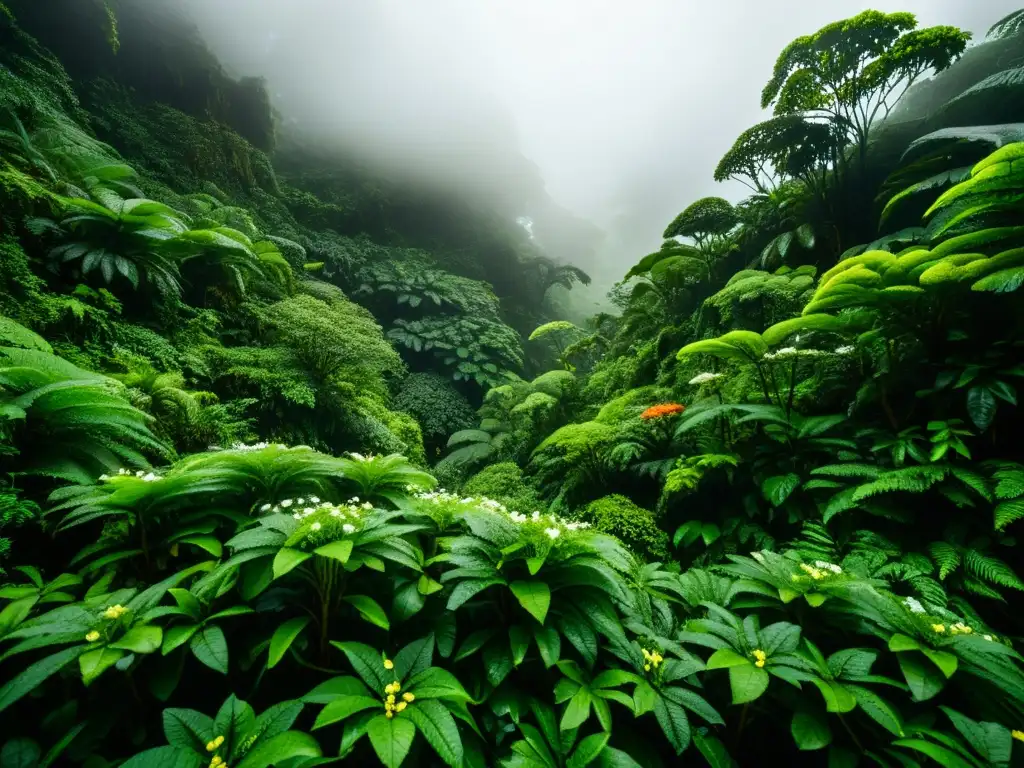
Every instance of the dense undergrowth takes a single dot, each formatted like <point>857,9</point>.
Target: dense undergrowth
<point>284,440</point>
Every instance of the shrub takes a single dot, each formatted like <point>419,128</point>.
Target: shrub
<point>632,525</point>
<point>440,409</point>
<point>504,482</point>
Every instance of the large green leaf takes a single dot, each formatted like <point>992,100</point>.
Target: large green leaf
<point>187,728</point>
<point>165,757</point>
<point>534,596</point>
<point>810,729</point>
<point>277,749</point>
<point>211,648</point>
<point>94,663</point>
<point>747,683</point>
<point>673,721</point>
<point>391,739</point>
<point>439,729</point>
<point>36,674</point>
<point>141,639</point>
<point>343,707</point>
<point>924,679</point>
<point>283,638</point>
<point>369,609</point>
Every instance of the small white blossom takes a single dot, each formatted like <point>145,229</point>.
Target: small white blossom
<point>535,516</point>
<point>140,473</point>
<point>553,533</point>
<point>913,605</point>
<point>104,478</point>
<point>315,527</point>
<point>367,505</point>
<point>703,378</point>
<point>828,566</point>
<point>297,516</point>
<point>844,350</point>
<point>348,528</point>
<point>286,503</point>
<point>335,513</point>
<point>314,499</point>
<point>149,477</point>
<point>354,500</point>
<point>307,510</point>
<point>264,508</point>
<point>300,501</point>
<point>987,637</point>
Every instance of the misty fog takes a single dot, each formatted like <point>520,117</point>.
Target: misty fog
<point>625,108</point>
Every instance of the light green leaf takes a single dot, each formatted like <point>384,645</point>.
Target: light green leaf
<point>94,663</point>
<point>283,638</point>
<point>279,748</point>
<point>391,739</point>
<point>724,658</point>
<point>339,550</point>
<point>588,750</point>
<point>747,682</point>
<point>534,596</point>
<point>576,711</point>
<point>165,757</point>
<point>343,707</point>
<point>140,639</point>
<point>287,559</point>
<point>369,609</point>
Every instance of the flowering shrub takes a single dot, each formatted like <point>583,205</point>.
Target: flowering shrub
<point>661,411</point>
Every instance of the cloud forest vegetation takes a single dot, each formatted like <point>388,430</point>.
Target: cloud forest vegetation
<point>303,466</point>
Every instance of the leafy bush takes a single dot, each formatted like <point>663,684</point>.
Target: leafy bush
<point>635,527</point>
<point>504,482</point>
<point>440,409</point>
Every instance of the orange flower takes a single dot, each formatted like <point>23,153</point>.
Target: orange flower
<point>665,409</point>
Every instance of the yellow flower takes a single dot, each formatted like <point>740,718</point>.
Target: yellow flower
<point>389,664</point>
<point>389,714</point>
<point>647,667</point>
<point>759,657</point>
<point>409,697</point>
<point>215,744</point>
<point>1018,735</point>
<point>960,629</point>
<point>401,705</point>
<point>391,698</point>
<point>115,612</point>
<point>939,628</point>
<point>218,762</point>
<point>92,637</point>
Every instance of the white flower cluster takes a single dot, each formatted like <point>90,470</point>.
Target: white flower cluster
<point>792,352</point>
<point>913,605</point>
<point>828,567</point>
<point>553,531</point>
<point>844,350</point>
<point>704,378</point>
<point>147,477</point>
<point>311,505</point>
<point>359,456</point>
<point>436,497</point>
<point>255,446</point>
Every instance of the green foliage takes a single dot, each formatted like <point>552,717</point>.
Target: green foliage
<point>635,527</point>
<point>837,457</point>
<point>440,409</point>
<point>504,482</point>
<point>702,220</point>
